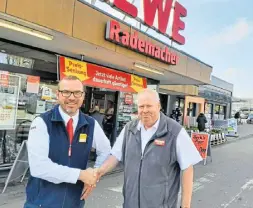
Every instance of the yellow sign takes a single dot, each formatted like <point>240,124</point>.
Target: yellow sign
<point>76,68</point>
<point>136,83</point>
<point>83,138</point>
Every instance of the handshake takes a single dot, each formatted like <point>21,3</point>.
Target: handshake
<point>89,177</point>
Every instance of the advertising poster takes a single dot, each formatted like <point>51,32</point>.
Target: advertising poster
<point>101,77</point>
<point>232,126</point>
<point>9,94</point>
<point>128,98</point>
<point>46,93</point>
<point>33,84</point>
<point>200,141</point>
<point>4,77</point>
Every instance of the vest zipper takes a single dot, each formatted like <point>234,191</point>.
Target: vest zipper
<point>142,156</point>
<point>139,187</point>
<point>65,189</point>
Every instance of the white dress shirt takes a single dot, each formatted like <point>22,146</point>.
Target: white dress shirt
<point>41,166</point>
<point>187,154</point>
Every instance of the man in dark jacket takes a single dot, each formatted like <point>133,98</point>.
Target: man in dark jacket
<point>59,145</point>
<point>153,149</point>
<point>201,120</point>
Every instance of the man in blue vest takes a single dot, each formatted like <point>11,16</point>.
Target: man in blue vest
<point>59,145</point>
<point>154,149</point>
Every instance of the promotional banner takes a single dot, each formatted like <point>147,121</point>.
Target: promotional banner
<point>200,141</point>
<point>101,77</point>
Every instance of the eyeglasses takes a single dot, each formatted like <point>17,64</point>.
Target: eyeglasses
<point>65,93</point>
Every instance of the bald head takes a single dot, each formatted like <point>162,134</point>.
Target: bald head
<point>149,93</point>
<point>148,107</point>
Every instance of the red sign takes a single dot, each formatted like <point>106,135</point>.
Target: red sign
<point>33,79</point>
<point>101,77</point>
<point>124,38</point>
<point>152,8</point>
<point>128,98</point>
<point>200,141</point>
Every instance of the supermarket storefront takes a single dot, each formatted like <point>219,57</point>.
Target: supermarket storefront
<point>126,59</point>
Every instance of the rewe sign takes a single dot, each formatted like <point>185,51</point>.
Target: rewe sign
<point>156,14</point>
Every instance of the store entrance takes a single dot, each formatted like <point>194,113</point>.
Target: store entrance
<point>101,104</point>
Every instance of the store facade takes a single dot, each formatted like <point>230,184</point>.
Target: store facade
<point>77,31</point>
<point>175,96</point>
<point>218,98</point>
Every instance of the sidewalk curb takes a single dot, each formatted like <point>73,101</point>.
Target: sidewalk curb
<point>239,138</point>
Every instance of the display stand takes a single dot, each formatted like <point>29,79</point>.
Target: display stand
<point>20,166</point>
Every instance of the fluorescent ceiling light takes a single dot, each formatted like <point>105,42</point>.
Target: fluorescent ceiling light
<point>148,69</point>
<point>23,29</point>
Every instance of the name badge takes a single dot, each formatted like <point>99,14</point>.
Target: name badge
<point>83,138</point>
<point>159,142</point>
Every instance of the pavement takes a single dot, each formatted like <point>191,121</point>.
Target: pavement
<point>226,182</point>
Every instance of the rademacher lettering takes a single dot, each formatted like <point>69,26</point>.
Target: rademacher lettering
<point>114,34</point>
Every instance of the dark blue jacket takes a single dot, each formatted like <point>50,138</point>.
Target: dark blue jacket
<point>41,193</point>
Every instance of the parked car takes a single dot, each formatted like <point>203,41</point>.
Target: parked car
<point>250,119</point>
<point>244,115</point>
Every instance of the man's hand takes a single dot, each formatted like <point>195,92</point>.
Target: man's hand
<point>97,173</point>
<point>88,176</point>
<point>87,189</point>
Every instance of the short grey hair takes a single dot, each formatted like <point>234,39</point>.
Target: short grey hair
<point>154,93</point>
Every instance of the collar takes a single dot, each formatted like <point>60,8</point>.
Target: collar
<point>155,126</point>
<point>162,123</point>
<point>66,117</point>
<point>63,117</point>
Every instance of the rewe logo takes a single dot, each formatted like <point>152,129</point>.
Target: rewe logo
<point>156,14</point>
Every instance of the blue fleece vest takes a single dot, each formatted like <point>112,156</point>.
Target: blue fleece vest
<point>41,193</point>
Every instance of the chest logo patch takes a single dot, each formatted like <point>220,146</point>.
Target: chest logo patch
<point>82,137</point>
<point>159,142</point>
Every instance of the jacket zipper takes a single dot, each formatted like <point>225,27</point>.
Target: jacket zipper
<point>69,154</point>
<point>66,189</point>
<point>142,156</point>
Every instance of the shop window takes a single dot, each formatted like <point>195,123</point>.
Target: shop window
<point>36,96</point>
<point>16,60</point>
